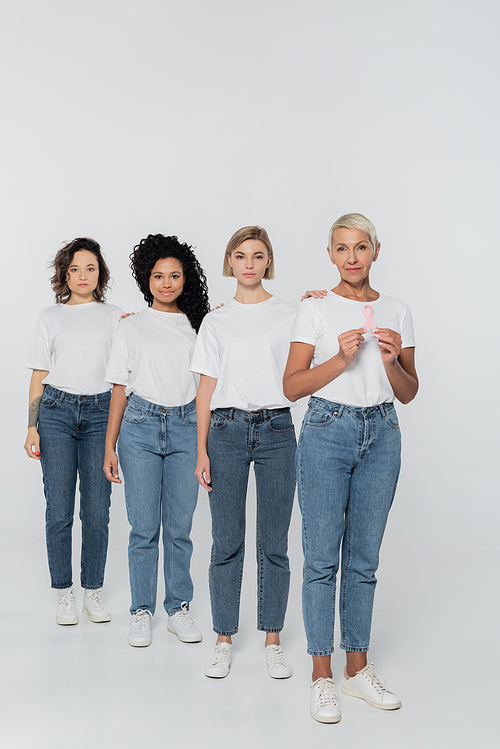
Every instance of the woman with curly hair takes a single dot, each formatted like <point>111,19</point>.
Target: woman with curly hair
<point>68,413</point>
<point>153,411</point>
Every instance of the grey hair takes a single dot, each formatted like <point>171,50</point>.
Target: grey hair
<point>355,221</point>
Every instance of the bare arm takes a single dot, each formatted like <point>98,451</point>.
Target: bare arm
<point>203,415</point>
<point>299,380</point>
<point>32,444</point>
<point>117,407</point>
<point>399,364</point>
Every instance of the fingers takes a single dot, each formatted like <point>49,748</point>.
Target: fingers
<point>32,447</point>
<point>350,341</point>
<point>314,294</point>
<point>202,473</point>
<point>110,469</point>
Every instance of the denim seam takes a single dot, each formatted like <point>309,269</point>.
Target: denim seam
<point>345,571</point>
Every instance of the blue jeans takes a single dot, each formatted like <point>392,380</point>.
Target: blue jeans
<point>237,438</point>
<point>72,431</point>
<point>348,462</point>
<point>157,452</point>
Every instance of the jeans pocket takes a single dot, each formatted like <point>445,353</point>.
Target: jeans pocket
<point>391,418</point>
<point>317,417</point>
<point>48,401</point>
<point>189,417</point>
<point>218,421</point>
<point>103,404</point>
<point>136,415</point>
<point>281,422</point>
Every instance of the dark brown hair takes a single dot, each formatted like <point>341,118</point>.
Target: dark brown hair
<point>63,260</point>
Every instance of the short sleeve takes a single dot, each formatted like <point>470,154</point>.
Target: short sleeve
<point>306,328</point>
<point>206,359</point>
<point>407,334</point>
<point>118,370</point>
<point>40,350</point>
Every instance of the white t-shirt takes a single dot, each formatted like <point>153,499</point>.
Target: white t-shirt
<point>72,342</point>
<point>320,321</point>
<point>151,355</point>
<point>245,347</point>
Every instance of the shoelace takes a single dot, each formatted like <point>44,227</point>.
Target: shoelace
<point>93,597</point>
<point>68,599</point>
<point>327,694</point>
<point>140,619</point>
<point>376,681</point>
<point>219,656</point>
<point>276,655</point>
<point>184,617</point>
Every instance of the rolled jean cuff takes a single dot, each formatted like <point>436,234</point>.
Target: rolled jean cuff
<point>225,634</point>
<point>319,653</point>
<point>269,629</point>
<point>348,649</point>
<point>61,587</point>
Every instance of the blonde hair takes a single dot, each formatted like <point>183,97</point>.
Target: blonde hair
<point>240,236</point>
<point>355,221</point>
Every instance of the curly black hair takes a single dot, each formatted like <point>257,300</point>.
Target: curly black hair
<point>194,298</point>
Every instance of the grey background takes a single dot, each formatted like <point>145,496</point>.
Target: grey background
<point>196,118</point>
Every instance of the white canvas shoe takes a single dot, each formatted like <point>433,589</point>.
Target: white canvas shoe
<point>93,607</point>
<point>277,664</point>
<point>66,608</point>
<point>182,625</point>
<point>369,687</point>
<point>218,665</point>
<point>140,629</point>
<point>324,707</point>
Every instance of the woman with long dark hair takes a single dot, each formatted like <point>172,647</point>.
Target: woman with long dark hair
<point>153,411</point>
<point>68,413</point>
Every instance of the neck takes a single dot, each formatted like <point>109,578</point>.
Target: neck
<point>171,307</point>
<point>80,299</point>
<point>359,292</point>
<point>251,294</point>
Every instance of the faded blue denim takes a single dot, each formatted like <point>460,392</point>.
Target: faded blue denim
<point>237,438</point>
<point>157,453</point>
<point>348,462</point>
<point>72,431</point>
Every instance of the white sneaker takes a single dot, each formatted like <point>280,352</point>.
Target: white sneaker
<point>140,629</point>
<point>371,688</point>
<point>277,665</point>
<point>182,625</point>
<point>93,607</point>
<point>66,608</point>
<point>324,706</point>
<point>218,666</point>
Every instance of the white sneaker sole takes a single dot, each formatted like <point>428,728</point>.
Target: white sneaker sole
<point>217,676</point>
<point>66,621</point>
<point>97,618</point>
<point>186,638</point>
<point>325,718</point>
<point>359,695</point>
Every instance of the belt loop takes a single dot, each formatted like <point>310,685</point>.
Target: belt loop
<point>383,410</point>
<point>340,411</point>
<point>230,414</point>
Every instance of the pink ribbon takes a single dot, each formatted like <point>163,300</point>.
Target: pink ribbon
<point>368,313</point>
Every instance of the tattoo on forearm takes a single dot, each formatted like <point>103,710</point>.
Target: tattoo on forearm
<point>33,411</point>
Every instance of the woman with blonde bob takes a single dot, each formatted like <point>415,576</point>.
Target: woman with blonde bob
<point>243,417</point>
<point>353,351</point>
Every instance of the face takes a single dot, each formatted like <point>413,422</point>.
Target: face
<point>166,284</point>
<point>250,261</point>
<point>82,275</point>
<point>353,254</point>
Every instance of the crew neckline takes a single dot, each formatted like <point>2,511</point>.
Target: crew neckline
<point>354,301</point>
<point>255,304</point>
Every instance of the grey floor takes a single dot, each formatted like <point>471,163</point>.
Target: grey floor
<point>435,630</point>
